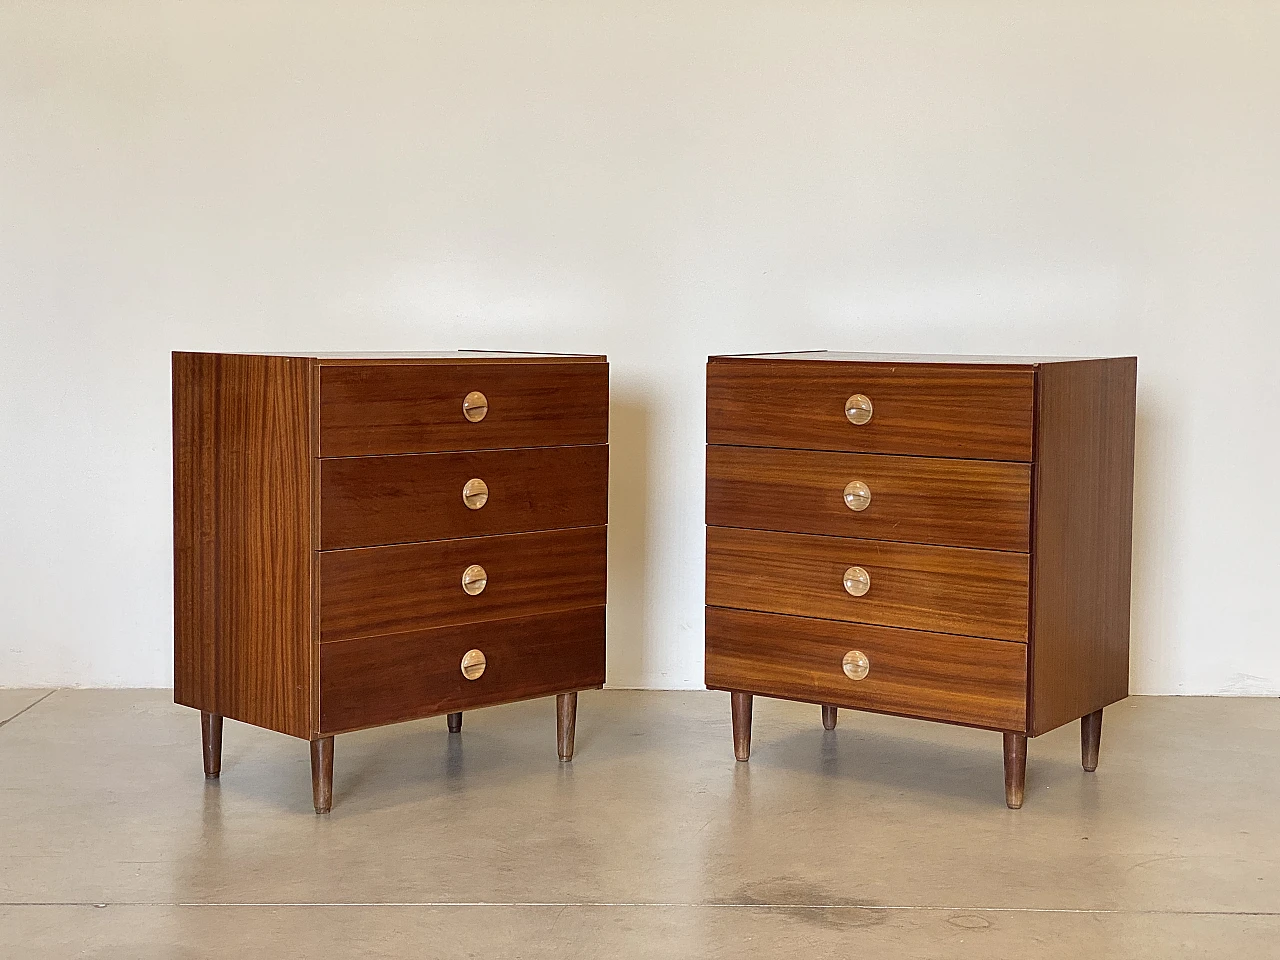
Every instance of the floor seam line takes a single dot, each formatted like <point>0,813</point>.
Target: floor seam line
<point>29,707</point>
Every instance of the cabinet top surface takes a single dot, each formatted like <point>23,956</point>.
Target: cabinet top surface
<point>437,356</point>
<point>921,358</point>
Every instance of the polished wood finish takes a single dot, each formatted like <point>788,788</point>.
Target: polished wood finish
<point>241,538</point>
<point>385,590</point>
<point>965,680</point>
<point>993,550</point>
<point>740,709</point>
<point>1015,769</point>
<point>959,503</point>
<point>566,724</point>
<point>1090,740</point>
<point>1082,558</point>
<point>321,537</point>
<point>365,501</point>
<point>921,409</point>
<point>322,774</point>
<point>211,740</point>
<point>942,589</point>
<point>387,679</point>
<point>828,717</point>
<point>417,408</point>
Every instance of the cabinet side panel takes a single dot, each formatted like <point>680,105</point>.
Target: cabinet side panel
<point>242,538</point>
<point>1083,538</point>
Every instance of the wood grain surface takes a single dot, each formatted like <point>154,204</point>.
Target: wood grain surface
<point>372,409</point>
<point>955,679</point>
<point>1083,538</point>
<point>980,593</point>
<point>242,538</point>
<point>366,501</point>
<point>383,590</point>
<point>964,411</point>
<point>963,503</point>
<point>380,680</point>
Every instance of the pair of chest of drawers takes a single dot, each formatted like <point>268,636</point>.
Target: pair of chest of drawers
<point>940,538</point>
<point>363,540</point>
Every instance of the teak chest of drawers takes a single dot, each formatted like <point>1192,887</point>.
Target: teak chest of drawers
<point>946,538</point>
<point>361,540</point>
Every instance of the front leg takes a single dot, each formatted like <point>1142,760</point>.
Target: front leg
<point>740,705</point>
<point>211,740</point>
<point>566,724</point>
<point>1090,740</point>
<point>322,774</point>
<point>1015,769</point>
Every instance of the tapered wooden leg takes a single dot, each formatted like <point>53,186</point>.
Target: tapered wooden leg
<point>1090,738</point>
<point>828,717</point>
<point>455,722</point>
<point>322,774</point>
<point>211,739</point>
<point>566,723</point>
<point>741,707</point>
<point>1015,769</point>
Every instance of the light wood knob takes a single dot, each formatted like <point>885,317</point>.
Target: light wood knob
<point>474,406</point>
<point>474,579</point>
<point>475,493</point>
<point>858,409</point>
<point>857,581</point>
<point>857,496</point>
<point>473,664</point>
<point>856,666</point>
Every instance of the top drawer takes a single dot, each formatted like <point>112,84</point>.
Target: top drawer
<point>977,412</point>
<point>377,409</point>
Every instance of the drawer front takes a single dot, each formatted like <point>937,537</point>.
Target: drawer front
<point>367,501</point>
<point>976,412</point>
<point>978,593</point>
<point>372,409</point>
<point>380,680</point>
<point>929,675</point>
<point>381,590</point>
<point>962,503</point>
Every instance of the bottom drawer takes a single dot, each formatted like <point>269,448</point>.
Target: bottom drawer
<point>934,676</point>
<point>377,680</point>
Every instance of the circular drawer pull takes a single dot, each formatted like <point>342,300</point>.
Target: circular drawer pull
<point>474,579</point>
<point>473,664</point>
<point>475,494</point>
<point>857,581</point>
<point>857,496</point>
<point>858,409</point>
<point>855,664</point>
<point>474,406</point>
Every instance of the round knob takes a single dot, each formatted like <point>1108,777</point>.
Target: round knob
<point>475,494</point>
<point>856,580</point>
<point>473,664</point>
<point>858,409</point>
<point>474,579</point>
<point>855,664</point>
<point>474,406</point>
<point>857,496</point>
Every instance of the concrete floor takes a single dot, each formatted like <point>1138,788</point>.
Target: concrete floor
<point>884,838</point>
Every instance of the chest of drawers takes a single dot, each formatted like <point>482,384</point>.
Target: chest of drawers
<point>946,538</point>
<point>362,540</point>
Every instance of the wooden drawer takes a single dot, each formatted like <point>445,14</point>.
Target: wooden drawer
<point>980,593</point>
<point>981,411</point>
<point>380,590</point>
<point>929,675</point>
<point>369,501</point>
<point>372,409</point>
<point>963,503</point>
<point>380,680</point>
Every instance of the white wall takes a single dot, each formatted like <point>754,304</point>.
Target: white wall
<point>656,181</point>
